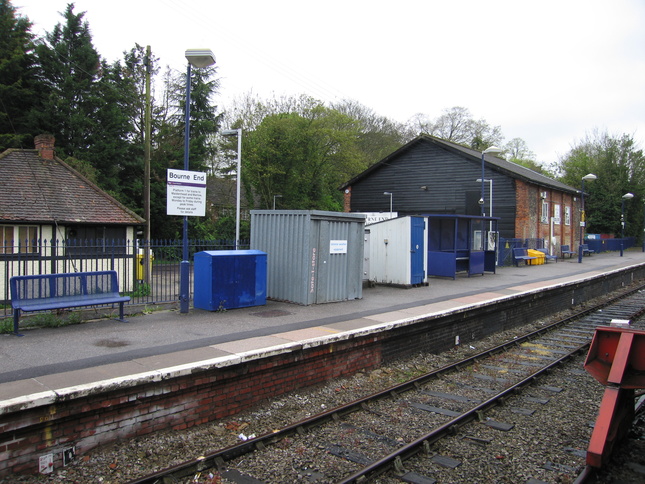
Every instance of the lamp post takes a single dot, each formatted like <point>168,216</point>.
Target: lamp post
<point>491,149</point>
<point>196,58</point>
<point>583,219</point>
<point>390,194</point>
<point>490,200</point>
<point>238,133</point>
<point>626,196</point>
<point>274,197</point>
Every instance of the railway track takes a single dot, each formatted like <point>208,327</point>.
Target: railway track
<point>405,432</point>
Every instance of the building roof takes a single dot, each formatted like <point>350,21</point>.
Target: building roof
<point>35,189</point>
<point>492,162</point>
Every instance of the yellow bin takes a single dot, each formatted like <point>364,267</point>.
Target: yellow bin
<point>140,268</point>
<point>541,257</point>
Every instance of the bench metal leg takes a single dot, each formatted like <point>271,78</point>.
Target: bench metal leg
<point>16,321</point>
<point>121,313</point>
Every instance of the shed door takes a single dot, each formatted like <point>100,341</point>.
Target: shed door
<point>417,249</point>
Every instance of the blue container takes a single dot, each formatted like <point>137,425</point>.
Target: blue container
<point>228,279</point>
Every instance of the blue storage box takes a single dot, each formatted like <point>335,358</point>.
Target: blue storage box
<point>228,279</point>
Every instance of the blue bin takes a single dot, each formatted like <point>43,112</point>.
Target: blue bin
<point>228,279</point>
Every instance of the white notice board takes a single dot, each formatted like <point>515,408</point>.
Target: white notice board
<point>186,193</point>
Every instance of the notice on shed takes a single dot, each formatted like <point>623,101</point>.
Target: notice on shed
<point>338,247</point>
<point>186,193</point>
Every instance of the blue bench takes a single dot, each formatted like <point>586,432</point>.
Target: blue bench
<point>586,250</point>
<point>566,251</point>
<point>521,254</point>
<point>548,256</point>
<point>59,291</point>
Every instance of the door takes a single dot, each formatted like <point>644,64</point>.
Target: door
<point>417,249</point>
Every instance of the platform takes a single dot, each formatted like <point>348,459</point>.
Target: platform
<point>48,361</point>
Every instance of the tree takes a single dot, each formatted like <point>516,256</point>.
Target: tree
<point>518,152</point>
<point>302,156</point>
<point>456,124</point>
<point>169,140</point>
<point>378,135</point>
<point>620,167</point>
<point>69,67</point>
<point>18,80</point>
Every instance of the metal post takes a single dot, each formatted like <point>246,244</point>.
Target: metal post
<point>582,221</point>
<point>184,269</point>
<point>239,176</point>
<point>622,225</point>
<point>481,200</point>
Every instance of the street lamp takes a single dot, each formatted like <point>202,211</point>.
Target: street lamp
<point>238,133</point>
<point>583,219</point>
<point>490,200</point>
<point>274,197</point>
<point>626,196</point>
<point>196,58</point>
<point>390,194</point>
<point>491,149</point>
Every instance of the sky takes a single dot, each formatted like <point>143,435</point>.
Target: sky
<point>550,72</point>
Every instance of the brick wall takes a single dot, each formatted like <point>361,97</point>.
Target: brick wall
<point>528,218</point>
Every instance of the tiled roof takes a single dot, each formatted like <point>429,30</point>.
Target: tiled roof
<point>36,190</point>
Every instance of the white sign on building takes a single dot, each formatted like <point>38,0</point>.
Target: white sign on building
<point>186,193</point>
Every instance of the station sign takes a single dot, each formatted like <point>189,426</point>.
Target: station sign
<point>186,193</point>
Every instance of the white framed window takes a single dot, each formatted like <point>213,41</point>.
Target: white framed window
<point>567,215</point>
<point>16,239</point>
<point>544,216</point>
<point>556,213</point>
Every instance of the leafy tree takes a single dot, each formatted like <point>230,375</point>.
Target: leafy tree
<point>169,141</point>
<point>378,135</point>
<point>620,167</point>
<point>18,82</point>
<point>69,68</point>
<point>302,156</point>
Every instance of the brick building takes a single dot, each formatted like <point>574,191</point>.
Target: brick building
<point>432,176</point>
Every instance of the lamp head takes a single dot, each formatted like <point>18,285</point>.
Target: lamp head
<point>229,132</point>
<point>200,57</point>
<point>492,149</point>
<point>628,196</point>
<point>589,177</point>
<point>481,201</point>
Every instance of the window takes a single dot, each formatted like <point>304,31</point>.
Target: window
<point>544,217</point>
<point>95,240</point>
<point>16,239</point>
<point>556,213</point>
<point>567,215</point>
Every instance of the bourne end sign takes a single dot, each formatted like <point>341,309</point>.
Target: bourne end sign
<point>186,193</point>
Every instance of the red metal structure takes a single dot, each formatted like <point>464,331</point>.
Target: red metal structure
<point>616,359</point>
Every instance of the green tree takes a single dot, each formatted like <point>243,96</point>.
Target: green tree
<point>18,81</point>
<point>168,142</point>
<point>69,68</point>
<point>619,164</point>
<point>302,156</point>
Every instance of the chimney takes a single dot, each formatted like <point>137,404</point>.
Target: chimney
<point>45,145</point>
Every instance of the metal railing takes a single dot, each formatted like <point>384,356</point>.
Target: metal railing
<point>158,284</point>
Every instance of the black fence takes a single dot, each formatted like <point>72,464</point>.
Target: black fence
<point>154,283</point>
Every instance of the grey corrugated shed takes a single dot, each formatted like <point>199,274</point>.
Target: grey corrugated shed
<point>301,267</point>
